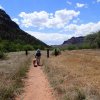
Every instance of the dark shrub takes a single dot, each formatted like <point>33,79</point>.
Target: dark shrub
<point>2,55</point>
<point>71,47</point>
<point>56,52</point>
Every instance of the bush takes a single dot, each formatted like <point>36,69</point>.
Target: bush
<point>93,40</point>
<point>28,47</point>
<point>71,47</point>
<point>56,52</point>
<point>2,55</point>
<point>84,46</point>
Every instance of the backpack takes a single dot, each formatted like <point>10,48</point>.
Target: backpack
<point>38,54</point>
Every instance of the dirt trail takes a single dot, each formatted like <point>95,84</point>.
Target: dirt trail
<point>36,86</point>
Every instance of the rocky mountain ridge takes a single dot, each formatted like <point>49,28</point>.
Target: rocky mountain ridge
<point>74,40</point>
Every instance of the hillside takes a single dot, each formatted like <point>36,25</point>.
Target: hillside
<point>11,32</point>
<point>74,40</point>
<point>91,41</point>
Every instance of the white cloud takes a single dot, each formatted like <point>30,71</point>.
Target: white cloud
<point>98,1</point>
<point>83,29</point>
<point>50,38</point>
<point>1,7</point>
<point>35,19</point>
<point>69,31</point>
<point>69,3</point>
<point>43,19</point>
<point>16,20</point>
<point>80,5</point>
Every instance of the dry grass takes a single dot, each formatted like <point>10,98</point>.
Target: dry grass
<point>12,71</point>
<point>75,75</point>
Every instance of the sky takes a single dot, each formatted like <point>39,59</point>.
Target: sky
<point>54,21</point>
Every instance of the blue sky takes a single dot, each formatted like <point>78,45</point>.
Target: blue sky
<point>54,21</point>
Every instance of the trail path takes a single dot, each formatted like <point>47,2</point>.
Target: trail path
<point>36,86</point>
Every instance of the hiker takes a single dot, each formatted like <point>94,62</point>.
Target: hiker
<point>38,56</point>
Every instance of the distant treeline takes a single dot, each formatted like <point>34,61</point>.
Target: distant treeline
<point>93,40</point>
<point>16,39</point>
<point>17,45</point>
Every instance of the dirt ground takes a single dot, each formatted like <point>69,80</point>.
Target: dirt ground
<point>36,86</point>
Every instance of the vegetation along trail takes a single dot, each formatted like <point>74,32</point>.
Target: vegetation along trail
<point>36,86</point>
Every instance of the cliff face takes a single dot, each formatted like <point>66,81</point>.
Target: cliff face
<point>5,19</point>
<point>74,40</point>
<point>9,30</point>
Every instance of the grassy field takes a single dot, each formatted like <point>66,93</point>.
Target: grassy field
<point>12,70</point>
<point>75,75</point>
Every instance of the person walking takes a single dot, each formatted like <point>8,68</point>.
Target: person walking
<point>38,56</point>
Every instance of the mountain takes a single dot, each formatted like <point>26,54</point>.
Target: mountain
<point>90,41</point>
<point>10,31</point>
<point>74,40</point>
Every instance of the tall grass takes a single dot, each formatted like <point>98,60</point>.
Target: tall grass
<point>74,75</point>
<point>13,72</point>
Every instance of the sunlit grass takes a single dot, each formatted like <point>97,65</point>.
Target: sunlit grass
<point>75,75</point>
<point>12,71</point>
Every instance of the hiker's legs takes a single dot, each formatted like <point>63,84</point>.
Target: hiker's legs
<point>38,61</point>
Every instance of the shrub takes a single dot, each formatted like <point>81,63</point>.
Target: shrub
<point>2,55</point>
<point>28,47</point>
<point>71,47</point>
<point>6,93</point>
<point>93,40</point>
<point>84,46</point>
<point>56,52</point>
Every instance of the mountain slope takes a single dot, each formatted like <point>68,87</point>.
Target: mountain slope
<point>91,41</point>
<point>74,40</point>
<point>9,30</point>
